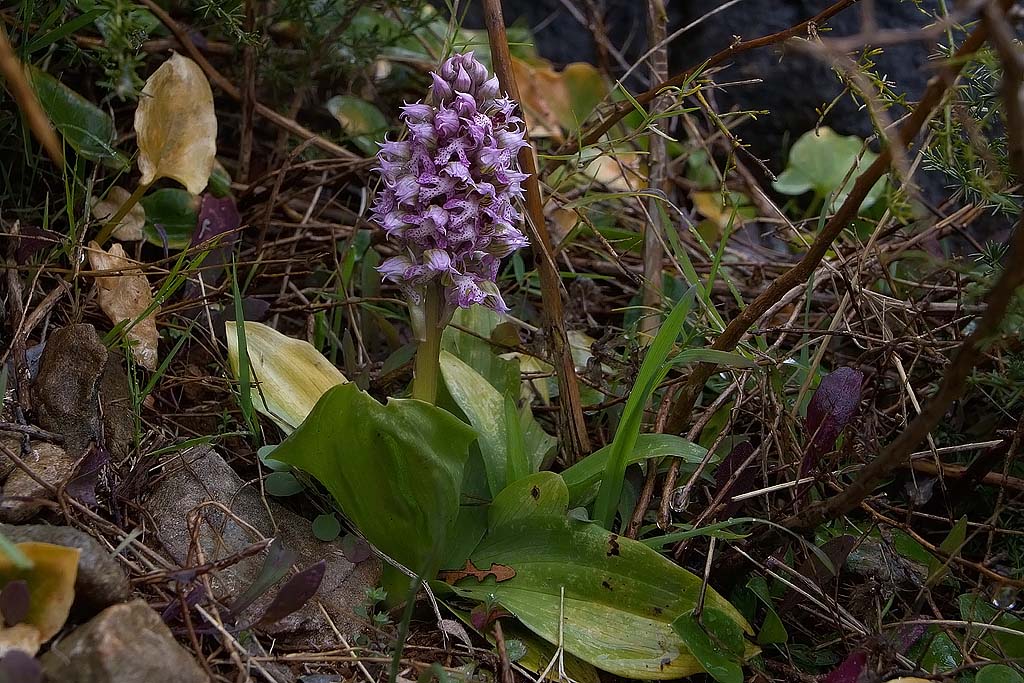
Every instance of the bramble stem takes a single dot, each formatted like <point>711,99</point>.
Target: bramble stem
<point>115,220</point>
<point>427,367</point>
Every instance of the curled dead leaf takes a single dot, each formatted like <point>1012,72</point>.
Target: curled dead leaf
<point>124,296</point>
<point>176,125</point>
<point>544,96</point>
<point>130,227</point>
<point>51,586</point>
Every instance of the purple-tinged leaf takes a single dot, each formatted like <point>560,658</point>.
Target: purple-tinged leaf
<point>355,549</point>
<point>277,563</point>
<point>83,486</point>
<point>172,612</point>
<point>20,667</point>
<point>832,406</point>
<point>849,670</point>
<point>744,481</point>
<point>14,602</point>
<point>299,590</point>
<point>32,240</point>
<point>216,217</point>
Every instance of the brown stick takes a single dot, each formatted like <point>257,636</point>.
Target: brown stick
<point>973,349</point>
<point>218,79</point>
<point>625,107</point>
<point>25,96</point>
<point>574,430</point>
<point>799,273</point>
<point>657,172</point>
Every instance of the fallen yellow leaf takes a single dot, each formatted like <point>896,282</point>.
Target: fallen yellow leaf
<point>176,126</point>
<point>130,227</point>
<point>125,296</point>
<point>289,375</point>
<point>51,588</point>
<point>544,96</point>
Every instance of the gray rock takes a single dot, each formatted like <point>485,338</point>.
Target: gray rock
<point>23,496</point>
<point>199,476</point>
<point>125,643</point>
<point>100,581</point>
<point>76,375</point>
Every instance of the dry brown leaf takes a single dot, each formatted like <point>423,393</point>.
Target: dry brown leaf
<point>176,126</point>
<point>130,227</point>
<point>545,98</point>
<point>618,174</point>
<point>125,296</point>
<point>51,587</point>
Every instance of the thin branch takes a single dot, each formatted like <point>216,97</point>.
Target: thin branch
<point>574,429</point>
<point>973,349</point>
<point>912,126</point>
<point>622,109</point>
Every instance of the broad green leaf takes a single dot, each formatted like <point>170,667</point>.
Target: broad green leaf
<point>176,126</point>
<point>86,128</point>
<point>361,121</point>
<point>282,484</point>
<point>820,160</point>
<point>543,493</point>
<point>716,640</point>
<point>326,527</point>
<point>998,673</point>
<point>395,469</point>
<point>171,215</point>
<point>584,475</point>
<point>994,644</point>
<point>467,338</point>
<point>942,654</point>
<point>540,652</point>
<point>485,409</point>
<point>938,568</point>
<point>620,597</point>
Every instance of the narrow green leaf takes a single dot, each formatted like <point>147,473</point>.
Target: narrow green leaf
<point>584,475</point>
<point>517,465</point>
<point>938,568</point>
<point>652,371</point>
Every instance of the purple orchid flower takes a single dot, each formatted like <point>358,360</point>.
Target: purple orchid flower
<point>450,189</point>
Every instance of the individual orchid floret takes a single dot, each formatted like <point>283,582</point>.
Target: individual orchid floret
<point>450,189</point>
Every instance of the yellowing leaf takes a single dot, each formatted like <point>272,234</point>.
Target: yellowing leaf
<point>51,587</point>
<point>176,125</point>
<point>125,296</point>
<point>289,375</point>
<point>130,227</point>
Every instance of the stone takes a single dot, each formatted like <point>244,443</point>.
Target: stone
<point>23,496</point>
<point>100,581</point>
<point>126,643</point>
<point>201,475</point>
<point>76,376</point>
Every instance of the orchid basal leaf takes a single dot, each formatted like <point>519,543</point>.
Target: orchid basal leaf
<point>290,374</point>
<point>176,126</point>
<point>51,591</point>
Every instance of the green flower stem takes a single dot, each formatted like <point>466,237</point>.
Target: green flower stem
<point>428,367</point>
<point>108,227</point>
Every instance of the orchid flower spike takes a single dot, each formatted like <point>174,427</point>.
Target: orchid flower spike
<point>450,188</point>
